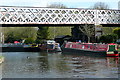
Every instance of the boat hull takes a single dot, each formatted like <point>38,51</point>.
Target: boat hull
<point>84,52</point>
<point>12,49</point>
<point>32,49</point>
<point>20,49</point>
<point>113,55</point>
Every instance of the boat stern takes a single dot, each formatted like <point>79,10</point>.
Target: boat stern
<point>112,50</point>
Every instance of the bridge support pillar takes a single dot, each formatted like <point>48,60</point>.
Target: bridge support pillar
<point>98,32</point>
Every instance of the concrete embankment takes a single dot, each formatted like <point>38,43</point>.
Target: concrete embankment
<point>1,59</point>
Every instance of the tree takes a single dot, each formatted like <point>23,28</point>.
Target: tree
<point>117,31</point>
<point>42,34</point>
<point>29,40</point>
<point>11,38</point>
<point>19,33</point>
<point>88,30</point>
<point>57,5</point>
<point>29,32</point>
<point>100,6</point>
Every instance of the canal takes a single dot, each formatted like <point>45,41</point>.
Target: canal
<point>57,65</point>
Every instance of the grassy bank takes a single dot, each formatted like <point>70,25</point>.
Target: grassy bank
<point>56,31</point>
<point>1,59</point>
<point>118,50</point>
<point>1,56</point>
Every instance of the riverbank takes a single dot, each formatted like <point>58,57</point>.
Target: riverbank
<point>1,59</point>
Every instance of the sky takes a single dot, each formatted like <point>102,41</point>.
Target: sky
<point>113,4</point>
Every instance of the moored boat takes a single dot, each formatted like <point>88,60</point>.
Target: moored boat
<point>18,47</point>
<point>12,47</point>
<point>31,48</point>
<point>96,49</point>
<point>50,46</point>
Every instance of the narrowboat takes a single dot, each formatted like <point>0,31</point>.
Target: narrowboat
<point>50,46</point>
<point>18,47</point>
<point>12,47</point>
<point>31,48</point>
<point>94,49</point>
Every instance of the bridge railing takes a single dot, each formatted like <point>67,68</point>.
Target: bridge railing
<point>35,15</point>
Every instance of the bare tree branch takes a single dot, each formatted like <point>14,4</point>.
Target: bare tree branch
<point>88,30</point>
<point>100,6</point>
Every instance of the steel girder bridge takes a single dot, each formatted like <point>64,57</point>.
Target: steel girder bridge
<point>35,16</point>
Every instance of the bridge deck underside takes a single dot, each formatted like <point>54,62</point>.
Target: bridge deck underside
<point>52,25</point>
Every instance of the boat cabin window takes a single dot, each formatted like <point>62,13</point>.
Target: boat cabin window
<point>50,42</point>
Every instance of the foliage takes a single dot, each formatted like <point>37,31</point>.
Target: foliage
<point>100,6</point>
<point>42,34</point>
<point>28,32</point>
<point>18,33</point>
<point>88,30</point>
<point>107,30</point>
<point>1,57</point>
<point>29,40</point>
<point>11,38</point>
<point>117,31</point>
<point>110,38</point>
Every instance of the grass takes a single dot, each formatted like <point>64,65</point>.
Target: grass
<point>1,57</point>
<point>119,49</point>
<point>56,31</point>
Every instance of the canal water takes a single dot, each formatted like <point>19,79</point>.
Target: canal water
<point>57,65</point>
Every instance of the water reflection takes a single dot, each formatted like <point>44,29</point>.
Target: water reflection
<point>43,62</point>
<point>112,61</point>
<point>57,65</point>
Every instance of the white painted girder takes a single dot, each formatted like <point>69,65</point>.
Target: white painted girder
<point>35,15</point>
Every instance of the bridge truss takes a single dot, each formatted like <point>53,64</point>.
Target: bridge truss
<point>35,15</point>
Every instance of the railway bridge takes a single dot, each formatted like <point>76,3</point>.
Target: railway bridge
<point>35,16</point>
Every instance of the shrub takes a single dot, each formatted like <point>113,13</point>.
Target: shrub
<point>117,31</point>
<point>110,38</point>
<point>29,40</point>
